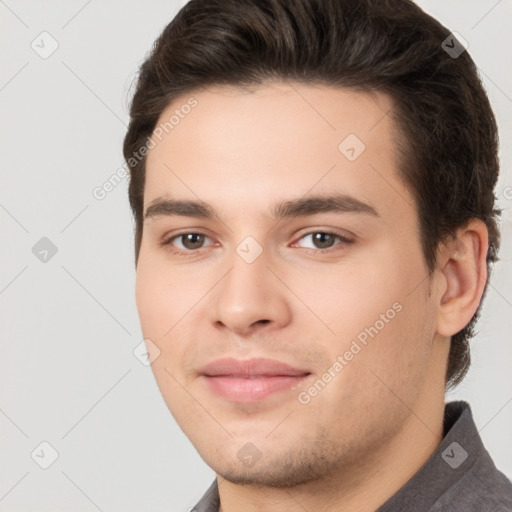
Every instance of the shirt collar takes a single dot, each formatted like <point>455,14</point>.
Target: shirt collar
<point>459,450</point>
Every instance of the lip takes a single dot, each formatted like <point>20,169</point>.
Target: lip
<point>251,380</point>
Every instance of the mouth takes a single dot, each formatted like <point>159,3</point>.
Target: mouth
<point>251,380</point>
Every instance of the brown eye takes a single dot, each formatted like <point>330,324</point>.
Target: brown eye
<point>186,243</point>
<point>192,240</point>
<point>324,240</point>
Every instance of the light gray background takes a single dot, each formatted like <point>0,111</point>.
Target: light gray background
<point>69,325</point>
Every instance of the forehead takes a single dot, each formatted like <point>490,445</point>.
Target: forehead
<point>247,147</point>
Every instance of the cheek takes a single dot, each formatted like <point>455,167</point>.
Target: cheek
<point>159,297</point>
<point>148,295</point>
<point>376,312</point>
<point>162,302</point>
<point>390,362</point>
<point>169,301</point>
<point>394,357</point>
<point>162,292</point>
<point>343,300</point>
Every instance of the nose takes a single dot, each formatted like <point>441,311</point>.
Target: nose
<point>251,298</point>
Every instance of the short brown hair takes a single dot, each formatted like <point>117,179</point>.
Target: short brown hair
<point>448,132</point>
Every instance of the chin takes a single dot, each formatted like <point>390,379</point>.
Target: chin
<point>250,466</point>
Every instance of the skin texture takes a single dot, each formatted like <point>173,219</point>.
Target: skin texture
<point>379,418</point>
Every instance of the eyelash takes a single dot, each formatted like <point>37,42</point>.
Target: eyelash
<point>168,241</point>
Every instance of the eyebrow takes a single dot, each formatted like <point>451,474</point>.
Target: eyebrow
<point>303,207</point>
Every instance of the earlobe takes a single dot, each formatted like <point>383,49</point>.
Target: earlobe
<point>462,269</point>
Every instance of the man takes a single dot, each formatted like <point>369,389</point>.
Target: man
<point>312,183</point>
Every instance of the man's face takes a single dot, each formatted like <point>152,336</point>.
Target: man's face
<point>336,298</point>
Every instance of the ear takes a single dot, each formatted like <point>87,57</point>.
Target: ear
<point>462,275</point>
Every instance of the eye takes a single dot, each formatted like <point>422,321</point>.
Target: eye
<point>186,242</point>
<point>324,240</point>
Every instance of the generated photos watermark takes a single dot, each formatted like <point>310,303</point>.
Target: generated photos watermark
<point>101,191</point>
<point>356,346</point>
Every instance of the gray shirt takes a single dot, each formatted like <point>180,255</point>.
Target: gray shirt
<point>460,476</point>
